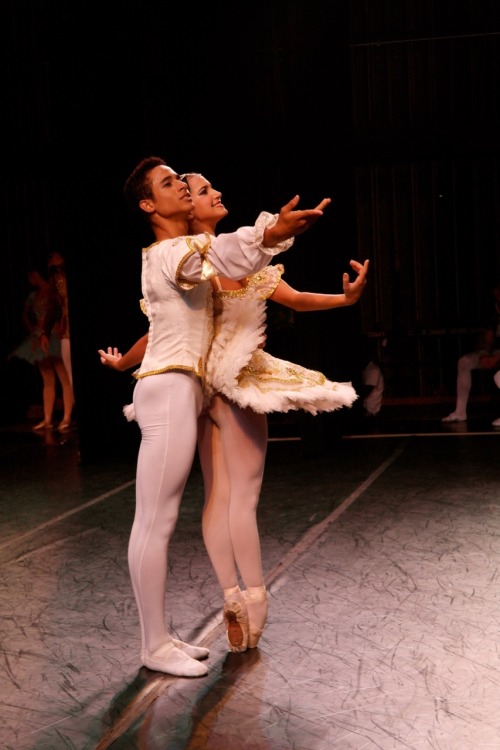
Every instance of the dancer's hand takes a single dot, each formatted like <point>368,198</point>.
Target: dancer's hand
<point>353,290</point>
<point>292,222</point>
<point>111,358</point>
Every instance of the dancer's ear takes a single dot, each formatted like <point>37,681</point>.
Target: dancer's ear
<point>146,205</point>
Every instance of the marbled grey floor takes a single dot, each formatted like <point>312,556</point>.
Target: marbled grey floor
<point>383,560</point>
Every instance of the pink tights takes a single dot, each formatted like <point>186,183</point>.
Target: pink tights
<point>232,444</point>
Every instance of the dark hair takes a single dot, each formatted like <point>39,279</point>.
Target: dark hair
<point>138,185</point>
<point>186,175</point>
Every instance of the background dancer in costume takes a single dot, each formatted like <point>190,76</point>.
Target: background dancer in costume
<point>42,348</point>
<point>232,431</point>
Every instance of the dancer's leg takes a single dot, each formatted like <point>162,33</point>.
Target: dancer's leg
<point>465,365</point>
<point>166,407</point>
<point>49,391</point>
<point>243,434</point>
<point>67,391</point>
<point>216,531</point>
<point>215,518</point>
<point>66,358</point>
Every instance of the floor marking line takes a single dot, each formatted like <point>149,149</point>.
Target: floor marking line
<point>314,532</point>
<point>67,514</point>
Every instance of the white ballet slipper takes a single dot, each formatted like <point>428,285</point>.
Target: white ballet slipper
<point>172,660</point>
<point>195,652</point>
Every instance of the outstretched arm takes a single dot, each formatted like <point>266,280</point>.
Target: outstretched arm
<point>286,295</point>
<point>290,222</point>
<point>112,358</point>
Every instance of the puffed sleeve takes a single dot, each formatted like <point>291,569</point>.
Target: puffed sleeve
<point>236,254</point>
<point>263,283</point>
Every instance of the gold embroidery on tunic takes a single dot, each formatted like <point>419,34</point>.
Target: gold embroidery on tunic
<point>185,368</point>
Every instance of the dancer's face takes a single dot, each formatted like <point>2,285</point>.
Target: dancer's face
<point>170,195</point>
<point>208,207</point>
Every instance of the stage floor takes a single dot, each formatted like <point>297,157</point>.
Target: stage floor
<point>382,554</point>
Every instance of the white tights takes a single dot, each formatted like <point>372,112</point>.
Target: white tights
<point>232,444</point>
<point>166,406</point>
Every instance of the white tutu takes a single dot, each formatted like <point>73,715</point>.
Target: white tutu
<point>268,384</point>
<point>249,376</point>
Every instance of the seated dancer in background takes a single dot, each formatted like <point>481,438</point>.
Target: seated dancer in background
<point>242,384</point>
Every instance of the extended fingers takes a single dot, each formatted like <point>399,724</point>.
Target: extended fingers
<point>306,212</point>
<point>105,357</point>
<point>290,205</point>
<point>313,213</point>
<point>357,266</point>
<point>109,357</point>
<point>323,204</point>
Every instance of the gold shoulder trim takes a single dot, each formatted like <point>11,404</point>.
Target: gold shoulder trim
<point>179,280</point>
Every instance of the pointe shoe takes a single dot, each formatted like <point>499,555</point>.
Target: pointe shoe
<point>454,417</point>
<point>236,619</point>
<point>172,660</point>
<point>64,426</point>
<point>256,599</point>
<point>195,652</point>
<point>43,426</point>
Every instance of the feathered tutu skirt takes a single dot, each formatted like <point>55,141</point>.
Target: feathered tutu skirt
<point>240,369</point>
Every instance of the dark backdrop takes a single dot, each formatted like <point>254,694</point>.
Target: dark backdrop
<point>376,104</point>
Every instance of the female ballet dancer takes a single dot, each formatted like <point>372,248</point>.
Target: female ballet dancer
<point>242,383</point>
<point>42,347</point>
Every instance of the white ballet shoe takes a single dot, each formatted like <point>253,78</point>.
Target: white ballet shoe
<point>171,660</point>
<point>256,599</point>
<point>236,619</point>
<point>195,652</point>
